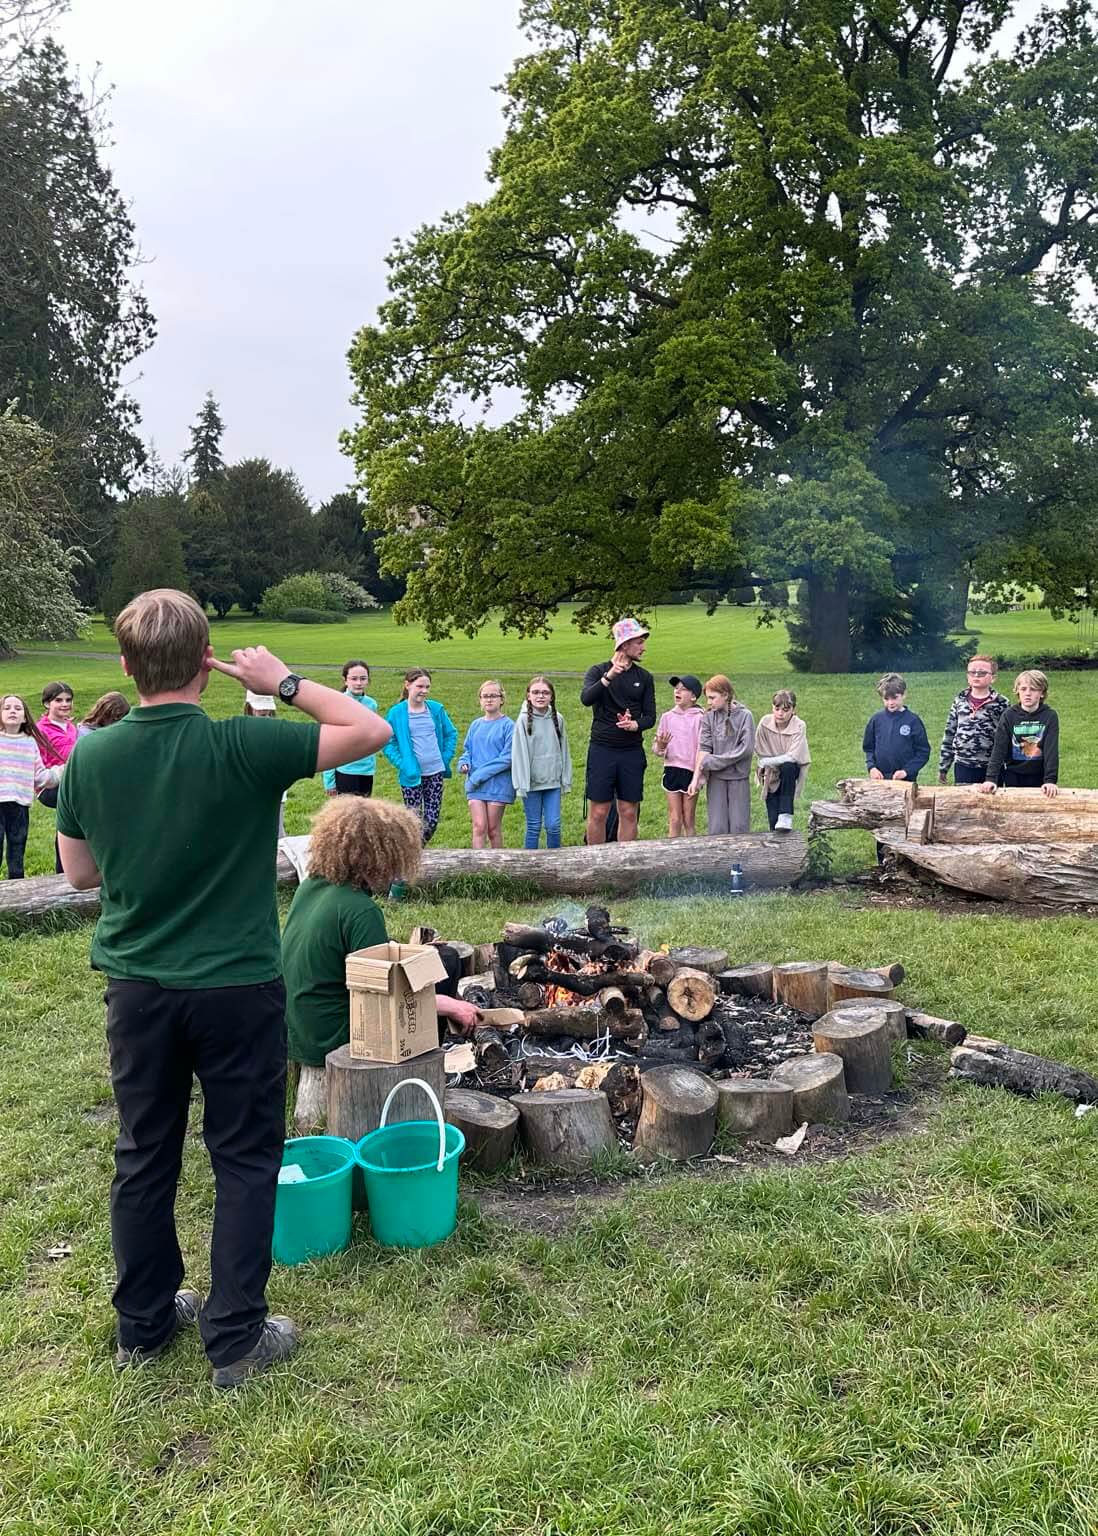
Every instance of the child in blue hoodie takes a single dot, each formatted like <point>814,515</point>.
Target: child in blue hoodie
<point>485,764</point>
<point>895,742</point>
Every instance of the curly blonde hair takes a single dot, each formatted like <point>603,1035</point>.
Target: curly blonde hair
<point>365,843</point>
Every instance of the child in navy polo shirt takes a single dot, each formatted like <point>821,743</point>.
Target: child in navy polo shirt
<point>895,742</point>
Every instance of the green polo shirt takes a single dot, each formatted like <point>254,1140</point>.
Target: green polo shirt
<point>326,922</point>
<point>180,813</point>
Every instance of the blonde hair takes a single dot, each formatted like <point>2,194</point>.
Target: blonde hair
<point>720,684</point>
<point>107,710</point>
<point>163,636</point>
<point>784,697</point>
<point>410,677</point>
<point>1032,679</point>
<point>891,686</point>
<point>365,843</point>
<point>493,682</point>
<point>992,664</point>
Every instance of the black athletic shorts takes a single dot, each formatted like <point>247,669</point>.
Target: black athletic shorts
<point>615,775</point>
<point>677,780</point>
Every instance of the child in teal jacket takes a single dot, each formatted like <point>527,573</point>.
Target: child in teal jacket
<point>423,744</point>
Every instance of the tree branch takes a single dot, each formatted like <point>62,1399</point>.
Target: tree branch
<point>903,413</point>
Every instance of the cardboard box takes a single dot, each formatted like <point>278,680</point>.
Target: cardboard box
<point>392,994</point>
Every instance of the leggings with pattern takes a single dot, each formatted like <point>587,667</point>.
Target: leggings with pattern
<point>425,798</point>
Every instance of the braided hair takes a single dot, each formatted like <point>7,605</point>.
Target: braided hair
<point>552,708</point>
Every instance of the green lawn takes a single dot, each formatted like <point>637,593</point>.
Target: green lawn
<point>834,707</point>
<point>902,1343</point>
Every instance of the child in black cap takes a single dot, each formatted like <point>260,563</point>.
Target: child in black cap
<point>677,743</point>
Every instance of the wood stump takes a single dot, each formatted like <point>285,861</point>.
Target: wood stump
<point>692,994</point>
<point>754,980</point>
<point>567,1127</point>
<point>757,1108</point>
<point>819,1088</point>
<point>802,984</point>
<point>357,1090</point>
<point>488,1124</point>
<point>893,1011</point>
<point>862,1039</point>
<point>311,1101</point>
<point>925,1026</point>
<point>844,982</point>
<point>697,959</point>
<point>678,1115</point>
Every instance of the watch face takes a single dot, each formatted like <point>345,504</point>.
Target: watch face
<point>287,688</point>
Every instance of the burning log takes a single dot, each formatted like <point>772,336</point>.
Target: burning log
<point>754,980</point>
<point>611,999</point>
<point>488,1123</point>
<point>819,1088</point>
<point>692,994</point>
<point>802,984</point>
<point>862,1039</point>
<point>589,983</point>
<point>694,959</point>
<point>1001,1066</point>
<point>756,1108</point>
<point>678,1114</point>
<point>924,1026</point>
<point>522,963</point>
<point>580,1023</point>
<point>844,982</point>
<point>566,1128</point>
<point>520,936</point>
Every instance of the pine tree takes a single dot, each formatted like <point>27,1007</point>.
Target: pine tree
<point>204,454</point>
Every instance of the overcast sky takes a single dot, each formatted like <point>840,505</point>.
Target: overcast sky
<point>271,154</point>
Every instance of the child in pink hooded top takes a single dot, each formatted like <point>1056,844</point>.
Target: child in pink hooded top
<point>676,741</point>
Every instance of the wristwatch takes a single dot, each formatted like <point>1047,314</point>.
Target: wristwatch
<point>287,688</point>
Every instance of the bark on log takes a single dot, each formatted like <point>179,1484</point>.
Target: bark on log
<point>925,1026</point>
<point>668,1023</point>
<point>592,984</point>
<point>535,1067</point>
<point>963,815</point>
<point>531,996</point>
<point>757,1108</point>
<point>618,1080</point>
<point>862,1039</point>
<point>661,968</point>
<point>566,1128</point>
<point>844,982</point>
<point>484,956</point>
<point>581,1023</point>
<point>484,979</point>
<point>310,1101</point>
<point>1056,874</point>
<point>678,1114</point>
<point>754,980</point>
<point>802,984</point>
<point>819,1088</point>
<point>522,936</point>
<point>692,994</point>
<point>493,1057</point>
<point>357,1090</point>
<point>696,959</point>
<point>1000,1066</point>
<point>869,803</point>
<point>611,999</point>
<point>712,1047</point>
<point>489,1125</point>
<point>888,1007</point>
<point>894,973</point>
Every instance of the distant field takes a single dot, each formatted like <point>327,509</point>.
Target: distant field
<point>683,639</point>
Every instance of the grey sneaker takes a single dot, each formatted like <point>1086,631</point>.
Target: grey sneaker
<point>277,1342</point>
<point>188,1304</point>
<point>784,823</point>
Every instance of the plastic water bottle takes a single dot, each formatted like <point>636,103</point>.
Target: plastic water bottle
<point>737,886</point>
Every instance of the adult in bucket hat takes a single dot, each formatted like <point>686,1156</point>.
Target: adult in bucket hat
<point>622,698</point>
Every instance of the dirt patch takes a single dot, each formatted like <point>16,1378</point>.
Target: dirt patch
<point>879,888</point>
<point>535,1201</point>
<point>101,1114</point>
<point>190,1450</point>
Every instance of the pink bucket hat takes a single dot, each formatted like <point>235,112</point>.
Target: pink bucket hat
<point>628,629</point>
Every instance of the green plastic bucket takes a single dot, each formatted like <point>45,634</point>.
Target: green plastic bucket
<point>313,1217</point>
<point>411,1173</point>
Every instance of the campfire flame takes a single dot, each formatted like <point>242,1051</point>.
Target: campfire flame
<point>562,997</point>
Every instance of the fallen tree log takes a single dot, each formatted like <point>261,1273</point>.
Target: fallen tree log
<point>1001,1066</point>
<point>868,803</point>
<point>959,814</point>
<point>1058,874</point>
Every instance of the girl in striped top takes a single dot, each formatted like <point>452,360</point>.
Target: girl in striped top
<point>22,774</point>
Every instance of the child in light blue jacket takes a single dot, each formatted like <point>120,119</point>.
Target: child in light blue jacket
<point>486,763</point>
<point>424,738</point>
<point>355,778</point>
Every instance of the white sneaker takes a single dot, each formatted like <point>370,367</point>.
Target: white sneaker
<point>784,823</point>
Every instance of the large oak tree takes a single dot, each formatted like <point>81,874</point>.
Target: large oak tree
<point>795,285</point>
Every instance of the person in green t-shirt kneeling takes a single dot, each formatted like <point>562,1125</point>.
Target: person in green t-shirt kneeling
<point>356,846</point>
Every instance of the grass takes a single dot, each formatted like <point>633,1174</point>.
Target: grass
<point>834,707</point>
<point>903,1342</point>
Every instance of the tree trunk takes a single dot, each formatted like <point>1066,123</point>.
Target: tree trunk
<point>1057,874</point>
<point>489,1125</point>
<point>884,1007</point>
<point>828,615</point>
<point>862,1040</point>
<point>868,803</point>
<point>566,1127</point>
<point>754,980</point>
<point>678,1114</point>
<point>757,1108</point>
<point>310,1101</point>
<point>357,1090</point>
<point>819,1088</point>
<point>1000,1066</point>
<point>802,984</point>
<point>963,815</point>
<point>692,994</point>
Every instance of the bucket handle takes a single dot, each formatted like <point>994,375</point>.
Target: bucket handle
<point>417,1082</point>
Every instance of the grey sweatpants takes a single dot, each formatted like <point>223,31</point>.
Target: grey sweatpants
<point>727,805</point>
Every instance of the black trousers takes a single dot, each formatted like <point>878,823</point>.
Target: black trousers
<point>779,802</point>
<point>233,1039</point>
<point>14,826</point>
<point>969,773</point>
<point>354,783</point>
